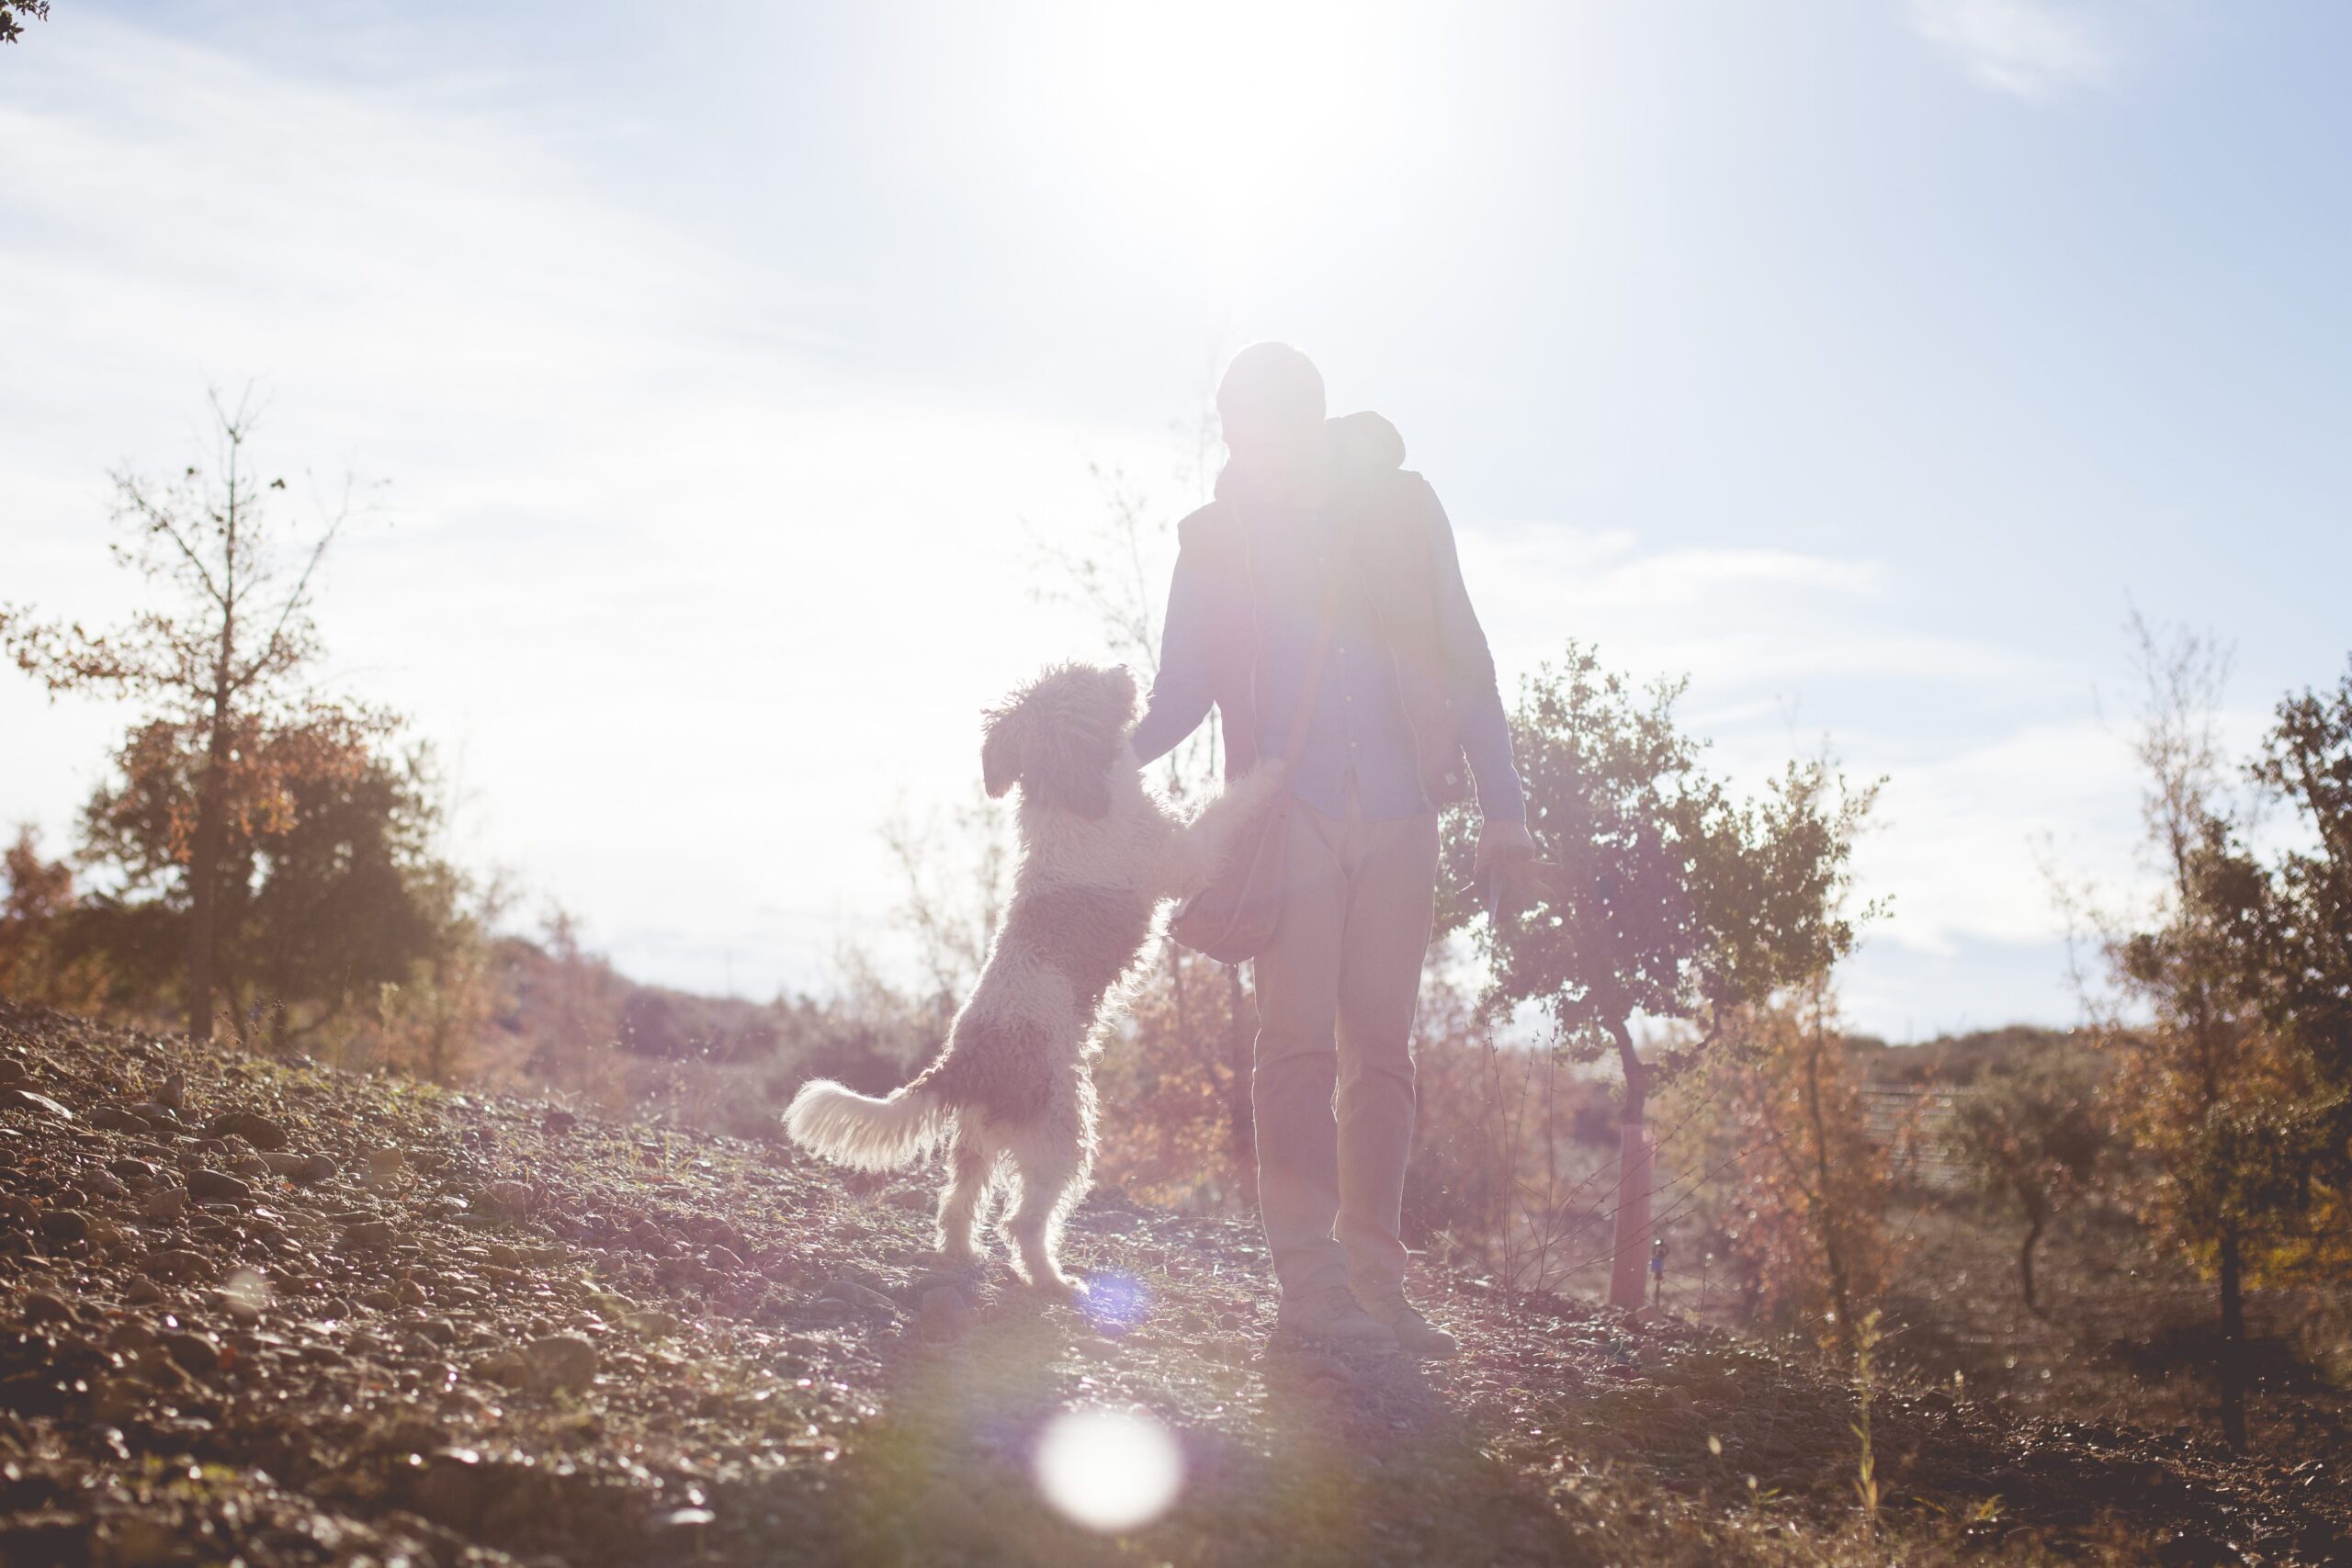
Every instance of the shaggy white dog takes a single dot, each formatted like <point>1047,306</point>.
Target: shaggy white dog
<point>1012,1094</point>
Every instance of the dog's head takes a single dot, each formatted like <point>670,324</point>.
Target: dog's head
<point>1058,736</point>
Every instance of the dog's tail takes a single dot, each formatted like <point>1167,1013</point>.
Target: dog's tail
<point>858,1130</point>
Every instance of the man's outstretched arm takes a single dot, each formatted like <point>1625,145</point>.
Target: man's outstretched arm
<point>1470,674</point>
<point>1179,693</point>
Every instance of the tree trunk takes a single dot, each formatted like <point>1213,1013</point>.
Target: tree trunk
<point>1825,1207</point>
<point>204,874</point>
<point>2025,1263</point>
<point>2233,1360</point>
<point>1634,1154</point>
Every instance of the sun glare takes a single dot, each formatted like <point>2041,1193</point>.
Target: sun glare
<point>1233,117</point>
<point>1109,1470</point>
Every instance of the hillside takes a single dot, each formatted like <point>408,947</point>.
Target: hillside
<point>266,1310</point>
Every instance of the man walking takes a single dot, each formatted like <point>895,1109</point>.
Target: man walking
<point>1318,533</point>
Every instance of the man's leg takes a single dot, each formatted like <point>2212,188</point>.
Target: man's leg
<point>1297,1063</point>
<point>1391,905</point>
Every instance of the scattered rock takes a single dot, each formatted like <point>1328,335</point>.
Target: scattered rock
<point>257,1130</point>
<point>369,1236</point>
<point>115,1119</point>
<point>312,1168</point>
<point>559,1121</point>
<point>218,1186</point>
<point>193,1352</point>
<point>655,1324</point>
<point>46,1306</point>
<point>384,1167</point>
<point>66,1225</point>
<point>173,1263</point>
<point>560,1361</point>
<point>163,1205</point>
<point>508,1199</point>
<point>25,1098</point>
<point>944,1313</point>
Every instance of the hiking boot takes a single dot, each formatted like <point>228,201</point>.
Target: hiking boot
<point>1330,1313</point>
<point>1416,1334</point>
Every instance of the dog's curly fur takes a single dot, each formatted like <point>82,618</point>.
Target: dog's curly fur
<point>1013,1096</point>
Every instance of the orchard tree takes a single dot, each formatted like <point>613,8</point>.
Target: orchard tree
<point>1661,897</point>
<point>222,660</point>
<point>2221,1012</point>
<point>13,15</point>
<point>2031,1139</point>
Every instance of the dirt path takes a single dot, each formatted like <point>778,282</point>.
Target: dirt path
<point>303,1316</point>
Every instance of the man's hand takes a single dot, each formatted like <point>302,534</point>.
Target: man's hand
<point>1504,866</point>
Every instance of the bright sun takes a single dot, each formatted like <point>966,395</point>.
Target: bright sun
<point>1230,118</point>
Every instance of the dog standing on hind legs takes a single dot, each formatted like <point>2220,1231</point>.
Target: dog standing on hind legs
<point>1012,1095</point>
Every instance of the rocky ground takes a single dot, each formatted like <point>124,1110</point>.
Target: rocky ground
<point>261,1311</point>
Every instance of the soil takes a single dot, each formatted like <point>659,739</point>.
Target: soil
<point>256,1309</point>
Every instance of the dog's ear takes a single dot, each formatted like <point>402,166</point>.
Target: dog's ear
<point>1067,754</point>
<point>1000,760</point>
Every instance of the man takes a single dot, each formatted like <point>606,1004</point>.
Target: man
<point>1310,513</point>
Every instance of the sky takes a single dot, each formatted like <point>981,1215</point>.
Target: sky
<point>723,375</point>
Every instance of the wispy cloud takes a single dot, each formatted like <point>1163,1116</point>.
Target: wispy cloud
<point>2032,49</point>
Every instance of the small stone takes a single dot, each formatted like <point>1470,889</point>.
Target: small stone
<point>172,1263</point>
<point>507,1368</point>
<point>369,1236</point>
<point>25,1100</point>
<point>943,1314</point>
<point>508,1199</point>
<point>684,1525</point>
<point>137,1171</point>
<point>163,1205</point>
<point>384,1165</point>
<point>66,1225</point>
<point>560,1361</point>
<point>257,1130</point>
<point>560,1121</point>
<point>864,1297</point>
<point>194,1352</point>
<point>45,1306</point>
<point>143,1291</point>
<point>655,1324</point>
<point>173,1094</point>
<point>218,1186</point>
<point>310,1168</point>
<point>115,1119</point>
<point>724,1259</point>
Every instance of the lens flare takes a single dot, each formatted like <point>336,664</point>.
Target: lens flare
<point>1109,1470</point>
<point>1115,1302</point>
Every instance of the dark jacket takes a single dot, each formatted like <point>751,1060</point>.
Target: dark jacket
<point>1407,695</point>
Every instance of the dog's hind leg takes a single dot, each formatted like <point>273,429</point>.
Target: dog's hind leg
<point>1054,1172</point>
<point>970,1164</point>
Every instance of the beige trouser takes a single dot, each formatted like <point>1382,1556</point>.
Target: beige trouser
<point>1333,1092</point>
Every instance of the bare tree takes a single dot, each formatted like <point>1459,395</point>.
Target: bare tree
<point>223,656</point>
